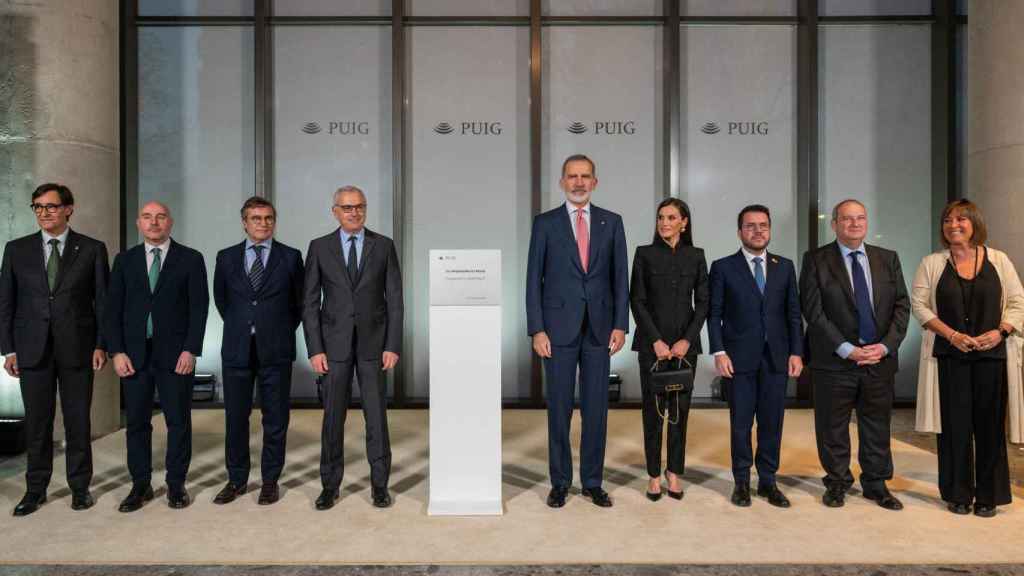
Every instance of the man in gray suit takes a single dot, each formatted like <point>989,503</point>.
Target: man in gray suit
<point>352,319</point>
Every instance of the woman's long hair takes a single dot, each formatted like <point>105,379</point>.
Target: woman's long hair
<point>686,238</point>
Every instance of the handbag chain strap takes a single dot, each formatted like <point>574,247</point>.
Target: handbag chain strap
<point>664,416</point>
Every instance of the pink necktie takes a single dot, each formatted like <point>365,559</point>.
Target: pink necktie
<point>582,238</point>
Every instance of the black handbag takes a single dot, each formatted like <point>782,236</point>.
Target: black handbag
<point>667,378</point>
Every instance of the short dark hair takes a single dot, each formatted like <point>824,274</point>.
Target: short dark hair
<point>66,197</point>
<point>580,158</point>
<point>257,202</point>
<point>759,208</point>
<point>968,210</point>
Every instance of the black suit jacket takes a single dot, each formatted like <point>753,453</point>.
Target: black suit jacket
<point>826,295</point>
<point>275,310</point>
<point>668,295</point>
<point>29,311</point>
<point>742,320</point>
<point>333,306</point>
<point>179,306</point>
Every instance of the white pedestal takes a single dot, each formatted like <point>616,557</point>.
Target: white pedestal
<point>465,385</point>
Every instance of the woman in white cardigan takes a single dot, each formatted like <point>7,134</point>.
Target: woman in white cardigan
<point>970,300</point>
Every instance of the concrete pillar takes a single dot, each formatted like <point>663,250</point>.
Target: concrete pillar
<point>995,120</point>
<point>59,122</point>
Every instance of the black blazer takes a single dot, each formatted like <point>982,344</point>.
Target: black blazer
<point>275,310</point>
<point>826,296</point>
<point>332,306</point>
<point>179,306</point>
<point>742,320</point>
<point>668,295</point>
<point>28,311</point>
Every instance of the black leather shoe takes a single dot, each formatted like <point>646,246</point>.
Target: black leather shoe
<point>653,496</point>
<point>140,494</point>
<point>327,499</point>
<point>269,493</point>
<point>774,495</point>
<point>885,499</point>
<point>598,496</point>
<point>962,509</point>
<point>29,503</point>
<point>381,498</point>
<point>81,500</point>
<point>984,510</point>
<point>556,498</point>
<point>741,495</point>
<point>177,497</point>
<point>834,497</point>
<point>229,493</point>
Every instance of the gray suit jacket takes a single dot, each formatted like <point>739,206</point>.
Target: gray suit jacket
<point>334,309</point>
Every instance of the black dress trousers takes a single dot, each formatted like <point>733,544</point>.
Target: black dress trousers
<point>275,383</point>
<point>39,386</point>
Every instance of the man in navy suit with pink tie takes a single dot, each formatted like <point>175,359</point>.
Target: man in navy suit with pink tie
<point>577,308</point>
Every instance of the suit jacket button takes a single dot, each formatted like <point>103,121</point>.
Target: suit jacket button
<point>51,298</point>
<point>253,302</point>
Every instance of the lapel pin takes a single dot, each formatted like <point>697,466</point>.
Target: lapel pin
<point>775,260</point>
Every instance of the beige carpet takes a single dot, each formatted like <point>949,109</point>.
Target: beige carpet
<point>703,528</point>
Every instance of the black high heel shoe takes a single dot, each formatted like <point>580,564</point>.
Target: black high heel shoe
<point>671,494</point>
<point>653,496</point>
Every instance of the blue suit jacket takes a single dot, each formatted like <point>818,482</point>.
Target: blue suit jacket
<point>179,305</point>
<point>275,310</point>
<point>558,292</point>
<point>741,317</point>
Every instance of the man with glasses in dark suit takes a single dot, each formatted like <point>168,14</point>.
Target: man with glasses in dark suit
<point>352,319</point>
<point>257,287</point>
<point>52,289</point>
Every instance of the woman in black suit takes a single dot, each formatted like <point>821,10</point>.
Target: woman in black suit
<point>669,299</point>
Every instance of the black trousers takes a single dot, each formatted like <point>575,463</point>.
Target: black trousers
<point>659,412</point>
<point>972,446</point>
<point>39,387</point>
<point>758,394</point>
<point>590,357</point>
<point>176,404</point>
<point>836,395</point>
<point>275,386</point>
<point>373,396</point>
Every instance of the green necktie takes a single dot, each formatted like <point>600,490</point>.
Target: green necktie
<point>53,263</point>
<point>154,275</point>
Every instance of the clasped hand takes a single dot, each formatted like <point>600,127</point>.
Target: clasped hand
<point>984,341</point>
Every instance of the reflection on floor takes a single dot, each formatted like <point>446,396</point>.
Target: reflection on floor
<point>703,528</point>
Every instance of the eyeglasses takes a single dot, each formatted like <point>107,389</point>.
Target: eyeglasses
<point>757,227</point>
<point>256,219</point>
<point>351,208</point>
<point>48,208</point>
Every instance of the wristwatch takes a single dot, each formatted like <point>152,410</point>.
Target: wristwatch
<point>1004,332</point>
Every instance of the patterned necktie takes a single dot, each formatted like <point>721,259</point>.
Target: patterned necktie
<point>256,271</point>
<point>759,273</point>
<point>866,329</point>
<point>582,238</point>
<point>154,275</point>
<point>353,262</point>
<point>53,263</point>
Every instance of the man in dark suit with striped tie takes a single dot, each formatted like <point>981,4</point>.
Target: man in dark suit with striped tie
<point>257,287</point>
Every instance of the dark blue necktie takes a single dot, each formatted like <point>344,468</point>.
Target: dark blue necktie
<point>353,261</point>
<point>866,329</point>
<point>256,270</point>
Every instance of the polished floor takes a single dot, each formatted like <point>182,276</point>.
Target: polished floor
<point>704,528</point>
